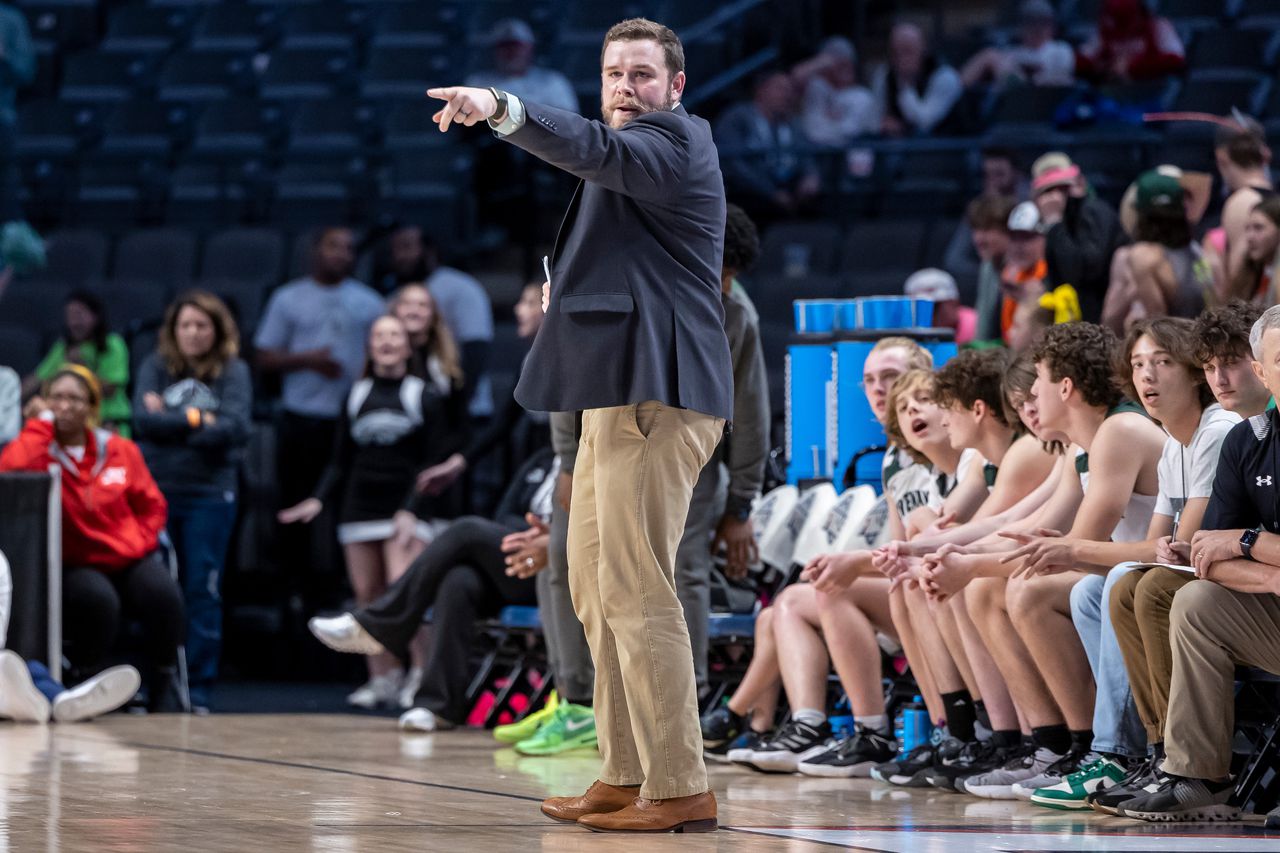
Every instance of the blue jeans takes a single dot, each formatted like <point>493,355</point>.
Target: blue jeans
<point>1117,728</point>
<point>200,528</point>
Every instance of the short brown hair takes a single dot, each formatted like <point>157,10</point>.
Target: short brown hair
<point>918,358</point>
<point>226,337</point>
<point>1081,352</point>
<point>1245,143</point>
<point>1223,332</point>
<point>1018,379</point>
<point>987,212</point>
<point>908,383</point>
<point>642,29</point>
<point>1174,336</point>
<point>971,376</point>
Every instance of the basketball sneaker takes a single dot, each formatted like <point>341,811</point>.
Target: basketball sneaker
<point>527,727</point>
<point>1180,800</point>
<point>852,757</point>
<point>998,784</point>
<point>720,727</point>
<point>570,727</point>
<point>1097,775</point>
<point>344,634</point>
<point>1054,773</point>
<point>741,749</point>
<point>980,756</point>
<point>793,743</point>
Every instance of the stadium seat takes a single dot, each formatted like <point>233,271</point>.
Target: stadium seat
<point>773,294</point>
<point>936,180</point>
<point>1199,10</point>
<point>164,256</point>
<point>237,129</point>
<point>203,195</point>
<point>146,128</point>
<point>1029,105</point>
<point>244,254</point>
<point>104,76</point>
<point>312,194</point>
<point>306,73</point>
<point>883,244</point>
<point>404,72</point>
<point>798,249</point>
<point>55,128</point>
<point>875,282</point>
<point>210,75</point>
<point>236,26</point>
<point>146,29</point>
<point>337,127</point>
<point>420,25</point>
<point>48,63</point>
<point>37,305</point>
<point>75,256</point>
<point>71,24</point>
<point>20,345</point>
<point>408,127</point>
<point>1218,92</point>
<point>134,304</point>
<point>1241,49</point>
<point>244,298</point>
<point>329,25</point>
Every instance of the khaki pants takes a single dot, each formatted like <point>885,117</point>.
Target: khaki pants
<point>1140,605</point>
<point>632,482</point>
<point>1212,630</point>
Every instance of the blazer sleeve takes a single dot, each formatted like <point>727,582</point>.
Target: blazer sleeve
<point>646,159</point>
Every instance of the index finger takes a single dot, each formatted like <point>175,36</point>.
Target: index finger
<point>442,93</point>
<point>1016,535</point>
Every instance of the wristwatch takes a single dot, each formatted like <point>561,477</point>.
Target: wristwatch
<point>1246,542</point>
<point>503,107</point>
<point>738,509</point>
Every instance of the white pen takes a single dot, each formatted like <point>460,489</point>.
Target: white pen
<point>546,268</point>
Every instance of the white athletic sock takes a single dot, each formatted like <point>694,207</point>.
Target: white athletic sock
<point>878,723</point>
<point>809,716</point>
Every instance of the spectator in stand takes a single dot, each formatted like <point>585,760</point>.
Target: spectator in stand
<point>940,288</point>
<point>1001,176</point>
<point>192,405</point>
<point>529,430</point>
<point>765,169</point>
<point>29,694</point>
<point>87,339</point>
<point>1083,231</point>
<point>1022,314</point>
<point>988,220</point>
<point>514,70</point>
<point>1164,271</point>
<point>1038,59</point>
<point>462,302</point>
<point>1244,162</point>
<point>435,353</point>
<point>1256,280</point>
<point>916,90</point>
<point>10,405</point>
<point>394,424</point>
<point>473,569</point>
<point>112,516</point>
<point>1131,44</point>
<point>313,334</point>
<point>17,68</point>
<point>835,109</point>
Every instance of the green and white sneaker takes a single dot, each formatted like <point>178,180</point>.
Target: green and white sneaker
<point>570,727</point>
<point>527,727</point>
<point>1073,791</point>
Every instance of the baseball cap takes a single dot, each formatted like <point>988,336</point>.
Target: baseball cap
<point>1054,169</point>
<point>931,283</point>
<point>1157,190</point>
<point>1025,218</point>
<point>511,30</point>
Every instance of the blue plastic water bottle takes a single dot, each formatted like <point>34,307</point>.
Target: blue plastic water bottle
<point>916,725</point>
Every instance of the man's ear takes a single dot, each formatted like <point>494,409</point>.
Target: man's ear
<point>677,86</point>
<point>1257,371</point>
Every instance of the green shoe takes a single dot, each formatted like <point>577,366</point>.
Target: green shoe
<point>1074,790</point>
<point>571,727</point>
<point>527,727</point>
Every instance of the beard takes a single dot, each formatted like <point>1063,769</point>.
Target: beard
<point>640,107</point>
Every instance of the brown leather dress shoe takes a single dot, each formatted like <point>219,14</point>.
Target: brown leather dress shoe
<point>600,798</point>
<point>682,814</point>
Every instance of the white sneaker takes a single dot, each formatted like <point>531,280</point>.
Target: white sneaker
<point>381,690</point>
<point>422,720</point>
<point>100,695</point>
<point>19,698</point>
<point>344,634</point>
<point>409,688</point>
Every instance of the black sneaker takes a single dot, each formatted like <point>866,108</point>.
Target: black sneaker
<point>1182,800</point>
<point>719,727</point>
<point>853,756</point>
<point>724,753</point>
<point>793,743</point>
<point>1273,818</point>
<point>978,756</point>
<point>908,770</point>
<point>1144,778</point>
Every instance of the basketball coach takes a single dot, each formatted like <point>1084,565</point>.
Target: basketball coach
<point>634,338</point>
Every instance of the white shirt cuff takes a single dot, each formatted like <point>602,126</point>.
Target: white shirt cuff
<point>514,119</point>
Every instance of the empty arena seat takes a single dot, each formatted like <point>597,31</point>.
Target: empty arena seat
<point>335,26</point>
<point>146,28</point>
<point>798,249</point>
<point>238,128</point>
<point>244,298</point>
<point>246,254</point>
<point>1029,105</point>
<point>163,256</point>
<point>19,344</point>
<point>146,127</point>
<point>1218,92</point>
<point>404,71</point>
<point>235,26</point>
<point>205,75</point>
<point>75,256</point>
<point>35,304</point>
<point>883,244</point>
<point>1243,49</point>
<point>54,128</point>
<point>134,304</point>
<point>417,25</point>
<point>341,126</point>
<point>104,76</point>
<point>70,24</point>
<point>306,72</point>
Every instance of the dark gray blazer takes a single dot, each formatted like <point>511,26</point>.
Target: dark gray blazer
<point>635,276</point>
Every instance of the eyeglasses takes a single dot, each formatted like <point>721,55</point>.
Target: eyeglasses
<point>71,399</point>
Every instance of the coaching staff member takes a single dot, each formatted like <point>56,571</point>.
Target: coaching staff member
<point>634,338</point>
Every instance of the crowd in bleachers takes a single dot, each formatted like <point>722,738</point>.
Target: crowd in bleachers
<point>1114,299</point>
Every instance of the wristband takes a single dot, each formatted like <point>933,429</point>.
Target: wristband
<point>194,418</point>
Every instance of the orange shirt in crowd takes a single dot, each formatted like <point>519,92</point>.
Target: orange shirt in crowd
<point>1017,278</point>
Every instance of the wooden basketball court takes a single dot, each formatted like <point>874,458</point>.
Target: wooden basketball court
<point>337,783</point>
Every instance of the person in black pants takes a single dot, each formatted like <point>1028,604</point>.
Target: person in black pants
<point>464,575</point>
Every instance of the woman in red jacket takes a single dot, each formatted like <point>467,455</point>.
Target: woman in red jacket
<point>112,515</point>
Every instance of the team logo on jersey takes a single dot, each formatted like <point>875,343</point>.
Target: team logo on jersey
<point>1264,481</point>
<point>112,476</point>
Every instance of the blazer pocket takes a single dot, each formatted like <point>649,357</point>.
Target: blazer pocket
<point>612,303</point>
